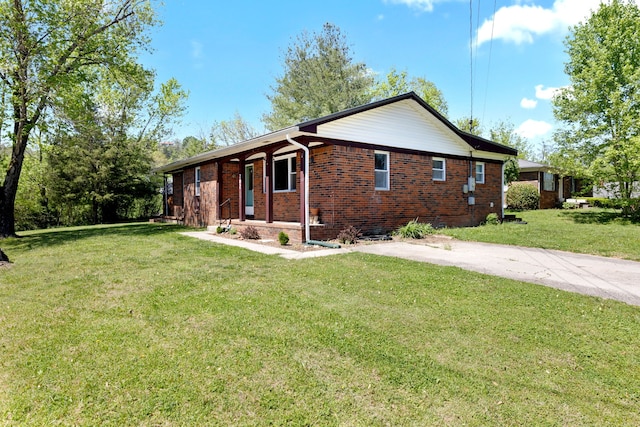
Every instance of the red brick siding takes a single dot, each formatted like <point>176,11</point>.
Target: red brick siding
<point>548,199</point>
<point>342,183</point>
<point>343,188</point>
<point>177,189</point>
<point>229,189</point>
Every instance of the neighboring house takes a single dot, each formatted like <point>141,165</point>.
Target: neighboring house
<point>375,167</point>
<point>611,190</point>
<point>553,187</point>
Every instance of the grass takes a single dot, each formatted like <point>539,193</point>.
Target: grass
<point>590,231</point>
<point>138,325</point>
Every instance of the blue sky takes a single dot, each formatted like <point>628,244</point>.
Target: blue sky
<point>228,54</point>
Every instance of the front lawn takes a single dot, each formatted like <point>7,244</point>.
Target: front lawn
<point>590,231</point>
<point>138,325</point>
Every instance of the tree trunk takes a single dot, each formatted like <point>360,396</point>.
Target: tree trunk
<point>9,189</point>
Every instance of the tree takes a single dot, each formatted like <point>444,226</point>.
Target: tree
<point>600,110</point>
<point>107,132</point>
<point>468,125</point>
<point>191,146</point>
<point>229,132</point>
<point>504,133</point>
<point>45,46</point>
<point>397,84</point>
<point>319,78</point>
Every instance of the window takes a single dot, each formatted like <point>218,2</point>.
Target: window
<point>439,169</point>
<point>284,173</point>
<point>549,182</point>
<point>479,173</point>
<point>382,170</point>
<point>198,181</point>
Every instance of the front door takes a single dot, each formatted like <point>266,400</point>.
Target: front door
<point>248,192</point>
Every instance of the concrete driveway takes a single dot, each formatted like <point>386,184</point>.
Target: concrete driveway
<point>586,274</point>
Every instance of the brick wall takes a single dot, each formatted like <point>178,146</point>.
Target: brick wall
<point>177,190</point>
<point>343,188</point>
<point>342,182</point>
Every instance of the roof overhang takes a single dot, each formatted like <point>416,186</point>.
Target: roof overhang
<point>231,150</point>
<point>527,166</point>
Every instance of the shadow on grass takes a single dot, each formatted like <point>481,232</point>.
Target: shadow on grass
<point>60,236</point>
<point>586,216</point>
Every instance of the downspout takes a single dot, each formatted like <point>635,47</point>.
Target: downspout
<point>307,229</point>
<point>502,199</point>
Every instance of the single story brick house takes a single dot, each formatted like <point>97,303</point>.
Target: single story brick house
<point>374,167</point>
<point>554,188</point>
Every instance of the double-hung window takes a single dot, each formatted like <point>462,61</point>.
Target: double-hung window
<point>382,170</point>
<point>439,169</point>
<point>197,181</point>
<point>479,173</point>
<point>284,173</point>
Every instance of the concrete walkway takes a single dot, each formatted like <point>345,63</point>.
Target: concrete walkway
<point>586,274</point>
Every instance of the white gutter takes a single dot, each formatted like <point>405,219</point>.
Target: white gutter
<point>307,229</point>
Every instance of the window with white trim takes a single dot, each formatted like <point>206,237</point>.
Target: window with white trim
<point>381,167</point>
<point>439,169</point>
<point>549,183</point>
<point>197,180</point>
<point>284,173</point>
<point>479,173</point>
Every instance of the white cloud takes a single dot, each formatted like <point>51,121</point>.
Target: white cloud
<point>533,128</point>
<point>546,94</point>
<point>529,104</point>
<point>424,5</point>
<point>520,23</point>
<point>196,49</point>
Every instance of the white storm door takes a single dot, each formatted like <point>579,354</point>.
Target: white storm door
<point>248,185</point>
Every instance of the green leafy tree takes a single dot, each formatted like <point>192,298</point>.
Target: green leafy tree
<point>191,146</point>
<point>101,156</point>
<point>600,110</point>
<point>504,133</point>
<point>45,46</point>
<point>229,132</point>
<point>468,125</point>
<point>320,78</point>
<point>397,83</point>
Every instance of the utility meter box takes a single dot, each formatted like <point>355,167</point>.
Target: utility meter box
<point>472,200</point>
<point>471,182</point>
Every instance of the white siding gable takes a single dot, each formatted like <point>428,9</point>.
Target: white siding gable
<point>404,124</point>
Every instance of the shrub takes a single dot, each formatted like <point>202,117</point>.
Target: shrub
<point>349,235</point>
<point>492,219</point>
<point>569,205</point>
<point>415,230</point>
<point>283,238</point>
<point>522,196</point>
<point>631,209</point>
<point>219,229</point>
<point>603,202</point>
<point>250,233</point>
<point>233,231</point>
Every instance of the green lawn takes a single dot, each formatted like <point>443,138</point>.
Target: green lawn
<point>589,231</point>
<point>138,325</point>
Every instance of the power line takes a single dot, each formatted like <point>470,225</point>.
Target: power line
<point>471,64</point>
<point>486,89</point>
